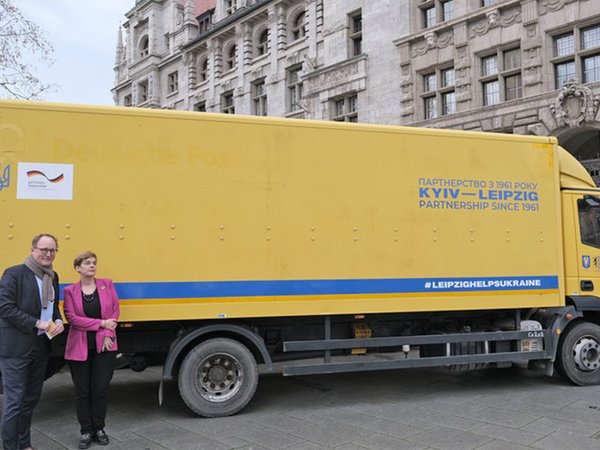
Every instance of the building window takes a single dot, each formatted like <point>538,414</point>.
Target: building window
<point>144,47</point>
<point>447,91</point>
<point>564,72</point>
<point>298,29</point>
<point>259,98</point>
<point>487,2</point>
<point>501,76</point>
<point>447,10</point>
<point>429,19</point>
<point>172,83</point>
<point>200,106</point>
<point>577,56</point>
<point>294,88</point>
<point>205,21</point>
<point>590,37</point>
<point>435,11</point>
<point>564,68</point>
<point>491,93</point>
<point>127,100</point>
<point>262,45</point>
<point>203,70</point>
<point>345,109</point>
<point>227,106</point>
<point>448,103</point>
<point>591,69</point>
<point>590,40</point>
<point>231,6</point>
<point>438,89</point>
<point>230,57</point>
<point>564,45</point>
<point>143,92</point>
<point>355,33</point>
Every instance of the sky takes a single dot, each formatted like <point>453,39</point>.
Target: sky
<point>84,36</point>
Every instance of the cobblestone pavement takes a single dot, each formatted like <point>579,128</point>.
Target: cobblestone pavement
<point>506,409</point>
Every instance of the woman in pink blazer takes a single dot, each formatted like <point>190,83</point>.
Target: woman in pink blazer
<point>92,310</point>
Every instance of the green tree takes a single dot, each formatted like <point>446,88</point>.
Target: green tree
<point>21,41</point>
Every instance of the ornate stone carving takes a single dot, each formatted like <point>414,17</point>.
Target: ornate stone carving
<point>432,41</point>
<point>495,19</point>
<point>532,76</point>
<point>309,63</point>
<point>333,76</point>
<point>554,5</point>
<point>575,104</point>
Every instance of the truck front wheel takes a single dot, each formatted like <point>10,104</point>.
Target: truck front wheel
<point>578,358</point>
<point>218,378</point>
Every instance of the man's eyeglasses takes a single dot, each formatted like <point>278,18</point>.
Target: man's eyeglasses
<point>50,251</point>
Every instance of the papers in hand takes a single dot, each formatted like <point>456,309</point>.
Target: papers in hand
<point>51,329</point>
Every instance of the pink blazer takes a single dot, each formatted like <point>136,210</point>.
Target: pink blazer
<point>80,324</point>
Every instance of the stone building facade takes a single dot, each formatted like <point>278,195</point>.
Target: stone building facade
<point>512,66</point>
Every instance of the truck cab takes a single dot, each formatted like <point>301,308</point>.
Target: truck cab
<point>581,232</point>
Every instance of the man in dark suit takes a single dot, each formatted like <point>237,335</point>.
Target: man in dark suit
<point>28,312</point>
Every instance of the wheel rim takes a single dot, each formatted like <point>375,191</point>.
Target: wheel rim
<point>586,353</point>
<point>219,377</point>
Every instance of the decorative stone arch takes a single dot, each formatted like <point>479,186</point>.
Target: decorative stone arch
<point>583,142</point>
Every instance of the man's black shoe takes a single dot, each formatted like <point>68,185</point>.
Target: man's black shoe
<point>86,440</point>
<point>101,437</point>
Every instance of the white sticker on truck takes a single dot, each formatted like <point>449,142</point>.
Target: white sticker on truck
<point>43,181</point>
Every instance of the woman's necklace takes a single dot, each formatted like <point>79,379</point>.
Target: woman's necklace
<point>89,298</point>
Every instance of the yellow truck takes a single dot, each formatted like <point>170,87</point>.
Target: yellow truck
<point>240,241</point>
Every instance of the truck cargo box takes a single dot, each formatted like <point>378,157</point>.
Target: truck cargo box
<point>208,216</point>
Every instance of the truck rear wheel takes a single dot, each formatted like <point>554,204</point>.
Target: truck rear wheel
<point>578,358</point>
<point>218,378</point>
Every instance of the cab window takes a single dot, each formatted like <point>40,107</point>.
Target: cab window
<point>589,220</point>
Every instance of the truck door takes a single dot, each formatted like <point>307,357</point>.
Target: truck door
<point>588,243</point>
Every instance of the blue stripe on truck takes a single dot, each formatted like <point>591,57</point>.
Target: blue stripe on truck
<point>271,288</point>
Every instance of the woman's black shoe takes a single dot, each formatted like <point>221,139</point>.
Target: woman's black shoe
<point>101,437</point>
<point>85,440</point>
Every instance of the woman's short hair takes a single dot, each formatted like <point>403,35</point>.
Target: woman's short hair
<point>82,257</point>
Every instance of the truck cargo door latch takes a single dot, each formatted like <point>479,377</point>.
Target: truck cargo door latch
<point>587,285</point>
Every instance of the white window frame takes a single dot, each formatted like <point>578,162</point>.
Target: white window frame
<point>172,83</point>
<point>500,73</point>
<point>345,108</point>
<point>438,85</point>
<point>294,88</point>
<point>355,32</point>
<point>227,103</point>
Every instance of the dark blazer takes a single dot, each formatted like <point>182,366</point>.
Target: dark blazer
<point>20,308</point>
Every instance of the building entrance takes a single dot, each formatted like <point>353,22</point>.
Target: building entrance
<point>584,144</point>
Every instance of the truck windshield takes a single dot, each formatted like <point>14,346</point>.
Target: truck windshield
<point>589,220</point>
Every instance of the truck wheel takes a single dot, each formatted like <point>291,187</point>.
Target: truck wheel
<point>578,358</point>
<point>218,378</point>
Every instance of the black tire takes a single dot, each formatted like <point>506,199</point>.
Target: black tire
<point>218,378</point>
<point>578,358</point>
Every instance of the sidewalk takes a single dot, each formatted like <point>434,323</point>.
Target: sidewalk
<point>507,409</point>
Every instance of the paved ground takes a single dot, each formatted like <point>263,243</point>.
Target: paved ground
<point>505,409</point>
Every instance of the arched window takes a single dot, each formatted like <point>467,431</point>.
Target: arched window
<point>203,70</point>
<point>230,59</point>
<point>144,46</point>
<point>262,45</point>
<point>299,26</point>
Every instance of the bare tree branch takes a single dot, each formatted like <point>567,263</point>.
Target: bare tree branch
<point>20,38</point>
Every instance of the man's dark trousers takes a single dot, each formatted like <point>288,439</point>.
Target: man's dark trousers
<point>22,380</point>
